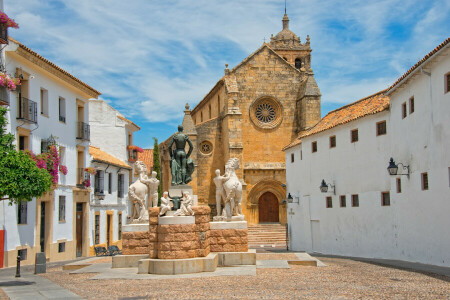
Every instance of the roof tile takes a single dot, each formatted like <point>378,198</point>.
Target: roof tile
<point>102,156</point>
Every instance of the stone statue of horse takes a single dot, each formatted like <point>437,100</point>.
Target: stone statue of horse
<point>233,189</point>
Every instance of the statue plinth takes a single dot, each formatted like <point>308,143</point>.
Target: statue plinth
<point>232,219</point>
<point>176,191</point>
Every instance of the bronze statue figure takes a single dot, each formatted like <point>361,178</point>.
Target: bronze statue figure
<point>181,165</point>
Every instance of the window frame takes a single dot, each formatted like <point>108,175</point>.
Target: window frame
<point>333,141</point>
<point>385,202</point>
<point>447,82</point>
<point>119,224</point>
<point>97,228</point>
<point>404,110</point>
<point>411,105</point>
<point>378,128</point>
<point>292,157</point>
<point>120,185</point>
<point>398,182</point>
<point>329,202</point>
<point>61,247</point>
<point>44,102</point>
<point>62,109</point>
<point>314,147</point>
<point>343,201</point>
<point>109,183</point>
<point>425,181</point>
<point>352,135</point>
<point>355,197</point>
<point>22,213</point>
<point>62,208</point>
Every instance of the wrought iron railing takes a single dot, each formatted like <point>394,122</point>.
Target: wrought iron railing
<point>27,110</point>
<point>83,178</point>
<point>132,155</point>
<point>4,95</point>
<point>83,131</point>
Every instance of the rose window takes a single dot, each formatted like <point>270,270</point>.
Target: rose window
<point>266,112</point>
<point>206,147</point>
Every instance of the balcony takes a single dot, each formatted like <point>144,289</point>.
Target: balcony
<point>27,110</point>
<point>4,95</point>
<point>3,34</point>
<point>83,178</point>
<point>83,131</point>
<point>132,155</point>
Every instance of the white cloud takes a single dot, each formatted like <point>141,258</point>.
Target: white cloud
<point>152,57</point>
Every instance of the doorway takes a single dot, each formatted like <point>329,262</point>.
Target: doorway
<point>42,229</point>
<point>79,229</point>
<point>108,229</point>
<point>268,208</point>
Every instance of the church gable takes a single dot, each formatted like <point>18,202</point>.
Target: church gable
<point>263,56</point>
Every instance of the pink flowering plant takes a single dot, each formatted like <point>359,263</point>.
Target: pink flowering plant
<point>49,161</point>
<point>9,82</point>
<point>4,19</point>
<point>135,148</point>
<point>87,183</point>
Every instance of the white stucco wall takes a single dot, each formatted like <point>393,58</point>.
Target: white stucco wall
<point>65,133</point>
<point>415,225</point>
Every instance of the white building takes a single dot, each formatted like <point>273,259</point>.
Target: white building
<point>50,102</point>
<point>373,214</point>
<point>111,136</point>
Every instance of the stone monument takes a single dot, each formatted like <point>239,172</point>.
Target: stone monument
<point>165,204</point>
<point>229,193</point>
<point>137,194</point>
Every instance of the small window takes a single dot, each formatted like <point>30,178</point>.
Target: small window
<point>97,230</point>
<point>44,102</point>
<point>62,208</point>
<point>22,253</point>
<point>355,200</point>
<point>329,202</point>
<point>201,116</point>
<point>109,183</point>
<point>354,135</point>
<point>292,157</point>
<point>210,114</point>
<point>411,105</point>
<point>399,185</point>
<point>62,247</point>
<point>22,212</point>
<point>120,226</point>
<point>301,154</point>
<point>332,141</point>
<point>447,83</point>
<point>381,128</point>
<point>385,199</point>
<point>120,186</point>
<point>343,201</point>
<point>99,182</point>
<point>298,63</point>
<point>424,181</point>
<point>62,109</point>
<point>314,147</point>
<point>404,110</point>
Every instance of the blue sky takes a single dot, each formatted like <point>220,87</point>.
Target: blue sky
<point>148,58</point>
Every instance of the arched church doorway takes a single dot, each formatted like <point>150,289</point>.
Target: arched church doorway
<point>268,208</point>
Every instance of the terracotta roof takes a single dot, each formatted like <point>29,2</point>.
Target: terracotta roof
<point>147,158</point>
<point>101,156</point>
<point>129,122</point>
<point>94,91</point>
<point>367,106</point>
<point>420,62</point>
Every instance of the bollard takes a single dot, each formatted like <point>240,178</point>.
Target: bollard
<point>18,266</point>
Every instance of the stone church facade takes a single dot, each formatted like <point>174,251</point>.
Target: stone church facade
<point>255,109</point>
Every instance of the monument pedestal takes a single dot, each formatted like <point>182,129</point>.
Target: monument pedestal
<point>229,236</point>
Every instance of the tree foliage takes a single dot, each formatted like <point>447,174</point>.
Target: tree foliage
<point>157,165</point>
<point>20,178</point>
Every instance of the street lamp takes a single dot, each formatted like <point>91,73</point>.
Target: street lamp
<point>324,187</point>
<point>393,168</point>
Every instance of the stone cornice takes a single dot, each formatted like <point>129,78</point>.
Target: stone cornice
<point>264,166</point>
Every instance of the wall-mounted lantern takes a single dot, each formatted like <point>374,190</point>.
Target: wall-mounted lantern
<point>324,187</point>
<point>393,168</point>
